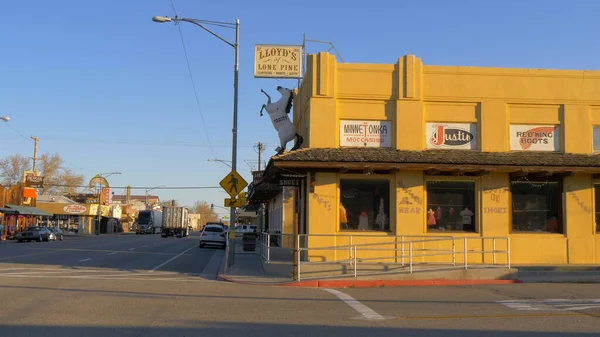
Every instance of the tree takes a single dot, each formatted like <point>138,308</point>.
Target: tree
<point>57,178</point>
<point>12,168</point>
<point>203,208</point>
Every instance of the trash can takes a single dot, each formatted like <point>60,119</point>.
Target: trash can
<point>249,242</point>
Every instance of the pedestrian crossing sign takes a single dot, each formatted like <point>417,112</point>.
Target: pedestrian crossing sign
<point>233,184</point>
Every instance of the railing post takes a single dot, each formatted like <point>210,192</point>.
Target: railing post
<point>454,252</point>
<point>494,251</point>
<point>268,247</point>
<point>396,249</point>
<point>350,250</point>
<point>465,252</point>
<point>355,261</point>
<point>298,255</point>
<point>508,251</point>
<point>402,256</point>
<point>410,256</point>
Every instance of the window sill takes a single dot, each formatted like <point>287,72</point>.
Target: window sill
<point>532,233</point>
<point>368,231</point>
<point>451,233</point>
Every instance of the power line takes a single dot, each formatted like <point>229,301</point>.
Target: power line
<point>137,142</point>
<point>142,187</point>
<point>187,61</point>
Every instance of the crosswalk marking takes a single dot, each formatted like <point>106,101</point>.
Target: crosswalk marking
<point>552,304</point>
<point>98,274</point>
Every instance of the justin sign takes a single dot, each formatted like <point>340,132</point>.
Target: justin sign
<point>277,61</point>
<point>534,138</point>
<point>451,136</point>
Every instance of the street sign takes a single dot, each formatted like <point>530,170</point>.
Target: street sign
<point>233,202</point>
<point>233,184</point>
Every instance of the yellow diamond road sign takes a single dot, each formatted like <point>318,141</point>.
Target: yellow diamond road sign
<point>233,184</point>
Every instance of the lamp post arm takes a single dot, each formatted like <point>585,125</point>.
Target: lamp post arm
<point>206,29</point>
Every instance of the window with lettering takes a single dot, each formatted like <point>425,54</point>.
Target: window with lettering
<point>597,204</point>
<point>536,204</point>
<point>451,206</point>
<point>365,204</point>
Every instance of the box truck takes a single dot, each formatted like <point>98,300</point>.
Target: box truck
<point>175,221</point>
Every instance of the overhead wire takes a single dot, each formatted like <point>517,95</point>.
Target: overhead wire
<point>47,151</point>
<point>187,61</point>
<point>142,187</point>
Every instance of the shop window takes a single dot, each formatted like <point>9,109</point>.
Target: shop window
<point>536,205</point>
<point>597,204</point>
<point>596,131</point>
<point>365,204</point>
<point>451,206</point>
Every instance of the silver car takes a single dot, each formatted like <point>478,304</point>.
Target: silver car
<point>215,235</point>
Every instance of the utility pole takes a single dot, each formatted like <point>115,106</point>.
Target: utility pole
<point>35,141</point>
<point>260,150</point>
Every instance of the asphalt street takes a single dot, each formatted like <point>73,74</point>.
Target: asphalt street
<point>128,285</point>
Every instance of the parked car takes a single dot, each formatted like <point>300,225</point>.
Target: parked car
<point>38,234</point>
<point>213,235</point>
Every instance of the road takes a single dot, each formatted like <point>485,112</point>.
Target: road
<point>146,286</point>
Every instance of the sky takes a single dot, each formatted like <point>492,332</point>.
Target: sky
<point>100,83</point>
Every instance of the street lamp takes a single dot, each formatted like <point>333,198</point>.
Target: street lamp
<point>201,23</point>
<point>4,118</point>
<point>148,190</point>
<point>100,189</point>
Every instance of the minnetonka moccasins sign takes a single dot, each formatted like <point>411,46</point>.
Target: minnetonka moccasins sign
<point>534,138</point>
<point>365,133</point>
<point>277,61</point>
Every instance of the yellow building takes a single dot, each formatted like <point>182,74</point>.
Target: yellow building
<point>408,150</point>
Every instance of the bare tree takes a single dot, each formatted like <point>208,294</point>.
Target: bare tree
<point>203,208</point>
<point>57,178</point>
<point>11,169</point>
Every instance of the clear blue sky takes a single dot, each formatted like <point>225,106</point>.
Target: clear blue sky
<point>100,83</point>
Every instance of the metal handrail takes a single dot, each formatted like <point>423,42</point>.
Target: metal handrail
<point>433,252</point>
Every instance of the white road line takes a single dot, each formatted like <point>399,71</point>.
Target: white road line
<point>85,260</point>
<point>173,258</point>
<point>145,246</point>
<point>362,309</point>
<point>113,253</point>
<point>131,249</point>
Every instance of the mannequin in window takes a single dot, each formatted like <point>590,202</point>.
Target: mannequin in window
<point>431,218</point>
<point>466,215</point>
<point>343,217</point>
<point>381,218</point>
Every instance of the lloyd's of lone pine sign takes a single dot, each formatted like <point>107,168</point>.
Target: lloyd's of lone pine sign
<point>365,133</point>
<point>451,136</point>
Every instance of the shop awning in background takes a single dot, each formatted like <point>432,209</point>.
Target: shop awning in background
<point>25,210</point>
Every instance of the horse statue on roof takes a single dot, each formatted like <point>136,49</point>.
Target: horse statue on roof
<point>278,111</point>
